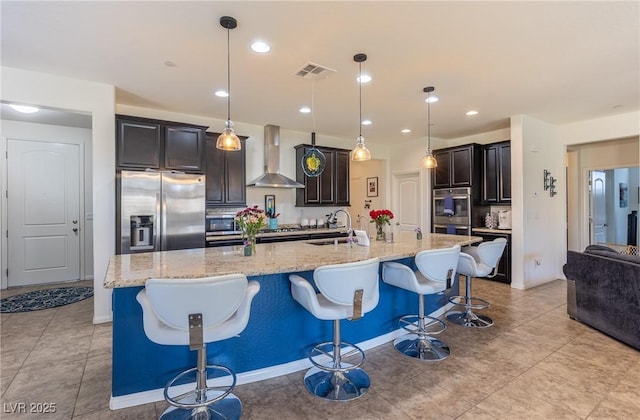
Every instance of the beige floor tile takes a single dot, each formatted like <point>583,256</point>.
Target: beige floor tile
<point>476,414</point>
<point>33,380</point>
<point>43,402</point>
<point>142,412</point>
<point>577,398</point>
<point>93,396</point>
<point>511,403</point>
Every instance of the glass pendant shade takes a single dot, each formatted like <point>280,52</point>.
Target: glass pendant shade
<point>429,161</point>
<point>228,140</point>
<point>360,152</point>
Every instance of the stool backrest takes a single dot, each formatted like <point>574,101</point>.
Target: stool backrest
<point>216,298</point>
<point>490,252</point>
<point>435,264</point>
<point>338,282</point>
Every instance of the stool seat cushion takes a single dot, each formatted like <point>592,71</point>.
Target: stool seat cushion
<point>480,261</point>
<point>401,276</point>
<point>337,285</point>
<point>223,301</point>
<point>431,276</point>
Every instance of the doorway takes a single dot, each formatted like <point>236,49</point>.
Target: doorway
<point>613,206</point>
<point>43,212</point>
<point>46,200</point>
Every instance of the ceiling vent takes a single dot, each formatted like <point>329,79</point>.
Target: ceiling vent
<point>313,71</point>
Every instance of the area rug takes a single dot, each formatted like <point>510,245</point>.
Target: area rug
<point>44,299</point>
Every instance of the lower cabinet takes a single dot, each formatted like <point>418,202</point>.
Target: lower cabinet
<point>504,266</point>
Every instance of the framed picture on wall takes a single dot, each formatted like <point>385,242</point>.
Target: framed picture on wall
<point>270,205</point>
<point>372,186</point>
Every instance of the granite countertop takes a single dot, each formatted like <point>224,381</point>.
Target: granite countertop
<point>281,257</point>
<point>341,229</point>
<point>487,230</point>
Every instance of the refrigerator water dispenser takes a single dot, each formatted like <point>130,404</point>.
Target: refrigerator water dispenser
<point>141,232</point>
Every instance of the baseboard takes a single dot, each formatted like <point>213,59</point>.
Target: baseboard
<point>155,395</point>
<point>102,319</point>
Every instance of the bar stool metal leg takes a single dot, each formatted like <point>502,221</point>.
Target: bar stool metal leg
<point>418,343</point>
<point>334,379</point>
<point>468,318</point>
<point>204,403</point>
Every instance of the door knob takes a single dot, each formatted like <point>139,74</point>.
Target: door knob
<point>75,230</point>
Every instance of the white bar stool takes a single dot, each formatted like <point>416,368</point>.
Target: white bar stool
<point>436,269</point>
<point>194,312</point>
<point>347,291</point>
<point>476,261</point>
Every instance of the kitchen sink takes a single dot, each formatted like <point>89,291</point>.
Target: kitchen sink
<point>329,241</point>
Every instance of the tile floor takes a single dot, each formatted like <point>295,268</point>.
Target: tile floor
<point>535,363</point>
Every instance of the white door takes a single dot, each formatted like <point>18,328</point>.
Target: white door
<point>598,208</point>
<point>409,211</point>
<point>43,184</point>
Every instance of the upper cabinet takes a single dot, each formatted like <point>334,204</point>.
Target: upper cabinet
<point>162,145</point>
<point>496,173</point>
<point>457,166</point>
<point>331,188</point>
<point>225,175</point>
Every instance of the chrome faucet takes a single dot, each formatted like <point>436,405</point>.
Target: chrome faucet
<point>359,219</point>
<point>332,219</point>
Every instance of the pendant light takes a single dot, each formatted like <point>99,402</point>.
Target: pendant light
<point>228,140</point>
<point>360,152</point>
<point>314,161</point>
<point>429,161</point>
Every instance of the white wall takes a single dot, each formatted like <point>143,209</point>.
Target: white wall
<point>46,132</point>
<point>98,99</point>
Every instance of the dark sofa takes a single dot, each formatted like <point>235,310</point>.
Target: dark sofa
<point>607,286</point>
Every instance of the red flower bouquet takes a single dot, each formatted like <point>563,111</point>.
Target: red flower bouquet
<point>380,218</point>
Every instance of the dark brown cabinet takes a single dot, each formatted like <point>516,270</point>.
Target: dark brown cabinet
<point>457,166</point>
<point>162,145</point>
<point>225,175</point>
<point>496,173</point>
<point>503,274</point>
<point>331,188</point>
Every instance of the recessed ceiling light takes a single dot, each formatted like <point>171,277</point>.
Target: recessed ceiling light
<point>365,78</point>
<point>405,130</point>
<point>471,113</point>
<point>305,110</point>
<point>169,63</point>
<point>260,47</point>
<point>432,98</point>
<point>366,122</point>
<point>221,93</point>
<point>25,109</point>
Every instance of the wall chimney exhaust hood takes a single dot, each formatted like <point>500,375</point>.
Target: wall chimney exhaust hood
<point>272,177</point>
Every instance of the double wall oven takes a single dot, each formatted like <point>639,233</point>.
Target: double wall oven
<point>452,211</point>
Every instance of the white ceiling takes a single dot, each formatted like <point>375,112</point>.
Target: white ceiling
<point>555,61</point>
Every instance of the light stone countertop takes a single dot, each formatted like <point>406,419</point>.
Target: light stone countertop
<point>282,257</point>
<point>487,230</point>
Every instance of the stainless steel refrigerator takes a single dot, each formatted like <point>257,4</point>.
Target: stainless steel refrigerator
<point>160,211</point>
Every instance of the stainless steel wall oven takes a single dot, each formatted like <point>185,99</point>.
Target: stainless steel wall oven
<point>452,211</point>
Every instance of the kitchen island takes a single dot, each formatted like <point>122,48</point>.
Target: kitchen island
<point>280,332</point>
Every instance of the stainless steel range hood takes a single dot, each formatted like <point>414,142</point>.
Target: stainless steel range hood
<point>272,177</point>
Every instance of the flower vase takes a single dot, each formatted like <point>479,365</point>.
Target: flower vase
<point>379,232</point>
<point>250,245</point>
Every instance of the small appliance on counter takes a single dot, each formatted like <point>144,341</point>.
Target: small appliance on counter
<point>504,219</point>
<point>491,220</point>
